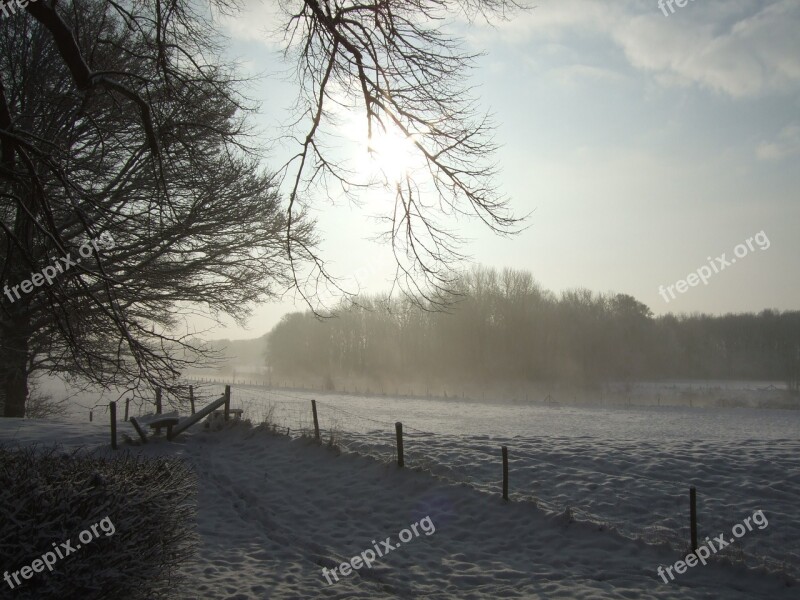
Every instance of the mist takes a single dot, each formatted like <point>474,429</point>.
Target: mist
<point>506,334</point>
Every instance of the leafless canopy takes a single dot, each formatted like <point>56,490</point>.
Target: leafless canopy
<point>151,146</point>
<point>123,119</point>
<point>394,61</point>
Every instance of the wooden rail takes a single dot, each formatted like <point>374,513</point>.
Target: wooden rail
<point>199,415</point>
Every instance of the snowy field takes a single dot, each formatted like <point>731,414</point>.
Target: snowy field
<point>274,512</point>
<point>627,469</point>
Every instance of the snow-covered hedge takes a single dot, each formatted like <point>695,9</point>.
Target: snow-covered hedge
<point>48,497</point>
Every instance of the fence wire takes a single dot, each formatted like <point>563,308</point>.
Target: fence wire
<point>551,473</point>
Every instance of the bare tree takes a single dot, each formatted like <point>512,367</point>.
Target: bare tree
<point>395,62</point>
<point>135,78</point>
<point>198,224</point>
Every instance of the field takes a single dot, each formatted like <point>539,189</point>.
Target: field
<point>599,497</point>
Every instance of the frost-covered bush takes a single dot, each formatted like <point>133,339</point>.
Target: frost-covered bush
<point>48,497</point>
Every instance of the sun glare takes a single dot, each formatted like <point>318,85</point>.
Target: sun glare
<point>393,155</point>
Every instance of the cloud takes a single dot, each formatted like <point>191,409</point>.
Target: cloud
<point>786,144</point>
<point>572,75</point>
<point>756,55</point>
<point>741,48</point>
<point>257,21</point>
<point>737,47</point>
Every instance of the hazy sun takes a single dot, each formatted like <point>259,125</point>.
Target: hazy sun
<point>393,155</point>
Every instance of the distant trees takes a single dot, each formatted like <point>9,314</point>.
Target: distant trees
<point>505,328</point>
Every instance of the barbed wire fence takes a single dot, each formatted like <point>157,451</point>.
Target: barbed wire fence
<point>538,474</point>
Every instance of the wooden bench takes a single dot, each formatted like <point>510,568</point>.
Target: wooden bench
<point>176,425</point>
<point>156,422</point>
<point>196,417</point>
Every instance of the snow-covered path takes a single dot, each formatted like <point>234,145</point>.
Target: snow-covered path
<point>274,512</point>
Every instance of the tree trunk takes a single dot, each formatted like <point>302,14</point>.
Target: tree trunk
<point>14,336</point>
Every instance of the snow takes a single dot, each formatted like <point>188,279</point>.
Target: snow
<point>273,511</point>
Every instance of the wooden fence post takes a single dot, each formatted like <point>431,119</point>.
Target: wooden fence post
<point>90,416</point>
<point>191,397</point>
<point>316,420</point>
<point>112,406</point>
<point>227,402</point>
<point>505,473</point>
<point>399,429</point>
<point>158,400</point>
<point>127,407</point>
<point>693,516</point>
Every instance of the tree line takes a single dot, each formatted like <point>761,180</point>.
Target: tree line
<point>502,326</point>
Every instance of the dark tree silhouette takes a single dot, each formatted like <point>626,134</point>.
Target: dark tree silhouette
<point>152,146</point>
<point>197,224</point>
<point>395,62</point>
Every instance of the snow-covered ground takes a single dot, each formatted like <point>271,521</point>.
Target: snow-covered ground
<point>274,511</point>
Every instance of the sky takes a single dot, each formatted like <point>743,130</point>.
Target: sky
<point>649,146</point>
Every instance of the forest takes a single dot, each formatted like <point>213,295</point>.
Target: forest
<point>502,326</point>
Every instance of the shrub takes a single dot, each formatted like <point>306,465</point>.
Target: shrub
<point>49,496</point>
